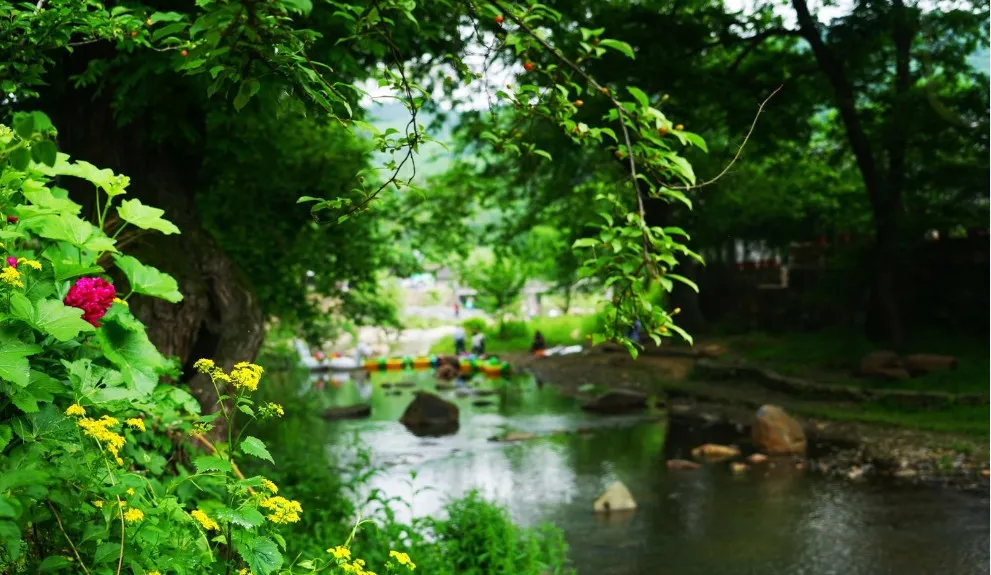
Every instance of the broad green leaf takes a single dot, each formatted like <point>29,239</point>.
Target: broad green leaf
<point>585,243</point>
<point>254,446</point>
<point>44,152</point>
<point>71,229</point>
<point>211,463</point>
<point>684,280</point>
<point>14,365</point>
<point>20,159</point>
<point>640,96</point>
<point>45,200</point>
<point>134,355</point>
<point>147,280</point>
<point>260,553</point>
<point>50,317</point>
<point>247,91</point>
<point>105,179</point>
<point>54,563</point>
<point>24,124</point>
<point>247,517</point>
<point>5,436</point>
<point>619,46</point>
<point>145,217</point>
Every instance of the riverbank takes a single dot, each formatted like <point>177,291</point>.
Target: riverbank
<point>867,433</point>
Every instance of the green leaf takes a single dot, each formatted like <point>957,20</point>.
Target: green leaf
<point>303,7</point>
<point>134,355</point>
<point>71,229</point>
<point>585,243</point>
<point>684,280</point>
<point>260,553</point>
<point>45,200</point>
<point>20,159</point>
<point>211,463</point>
<point>14,366</point>
<point>145,217</point>
<point>24,124</point>
<point>166,17</point>
<point>694,139</point>
<point>53,563</point>
<point>619,46</point>
<point>44,152</point>
<point>5,436</point>
<point>247,91</point>
<point>254,446</point>
<point>247,517</point>
<point>49,316</point>
<point>147,280</point>
<point>639,94</point>
<point>105,178</point>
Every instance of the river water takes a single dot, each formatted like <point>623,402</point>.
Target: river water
<point>706,522</point>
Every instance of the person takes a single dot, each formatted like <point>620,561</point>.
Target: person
<point>538,345</point>
<point>457,309</point>
<point>459,340</point>
<point>635,329</point>
<point>478,343</point>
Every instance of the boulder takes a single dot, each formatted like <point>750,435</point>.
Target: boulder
<point>617,401</point>
<point>430,416</point>
<point>777,433</point>
<point>348,412</point>
<point>446,372</point>
<point>616,497</point>
<point>883,365</point>
<point>923,363</point>
<point>682,465</point>
<point>714,452</point>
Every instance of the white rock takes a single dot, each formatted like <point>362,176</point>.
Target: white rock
<point>615,498</point>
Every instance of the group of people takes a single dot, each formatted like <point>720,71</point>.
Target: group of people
<point>460,341</point>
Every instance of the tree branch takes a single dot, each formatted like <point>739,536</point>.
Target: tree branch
<point>754,42</point>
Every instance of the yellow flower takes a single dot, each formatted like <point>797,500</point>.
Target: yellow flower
<point>123,303</point>
<point>75,409</point>
<point>219,375</point>
<point>402,559</point>
<point>283,510</point>
<point>246,375</point>
<point>98,504</point>
<point>204,365</point>
<point>11,276</point>
<point>273,488</point>
<point>30,263</point>
<point>204,520</point>
<point>340,552</point>
<point>244,572</point>
<point>130,491</point>
<point>136,423</point>
<point>276,409</point>
<point>133,515</point>
<point>153,573</point>
<point>99,429</point>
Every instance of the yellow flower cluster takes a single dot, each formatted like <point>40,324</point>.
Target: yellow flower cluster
<point>154,573</point>
<point>270,487</point>
<point>121,302</point>
<point>402,559</point>
<point>130,491</point>
<point>99,429</point>
<point>340,552</point>
<point>244,572</point>
<point>247,375</point>
<point>356,567</point>
<point>136,423</point>
<point>98,504</point>
<point>30,263</point>
<point>204,520</point>
<point>272,410</point>
<point>11,277</point>
<point>133,515</point>
<point>244,374</point>
<point>283,510</point>
<point>75,409</point>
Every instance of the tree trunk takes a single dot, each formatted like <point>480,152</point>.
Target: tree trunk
<point>219,316</point>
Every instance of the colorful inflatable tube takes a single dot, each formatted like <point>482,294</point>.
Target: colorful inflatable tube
<point>492,367</point>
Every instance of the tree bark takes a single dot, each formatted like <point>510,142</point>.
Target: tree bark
<point>219,316</point>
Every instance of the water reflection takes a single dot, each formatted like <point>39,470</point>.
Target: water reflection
<point>708,521</point>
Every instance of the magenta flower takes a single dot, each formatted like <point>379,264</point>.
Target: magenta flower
<point>92,295</point>
<point>12,261</point>
<point>11,219</point>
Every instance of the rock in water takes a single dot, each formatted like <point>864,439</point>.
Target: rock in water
<point>682,464</point>
<point>617,401</point>
<point>615,498</point>
<point>923,363</point>
<point>430,416</point>
<point>714,452</point>
<point>348,412</point>
<point>776,433</point>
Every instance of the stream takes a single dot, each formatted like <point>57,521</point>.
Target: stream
<point>707,522</point>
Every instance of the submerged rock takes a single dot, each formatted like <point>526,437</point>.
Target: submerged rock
<point>714,452</point>
<point>483,402</point>
<point>348,412</point>
<point>515,436</point>
<point>682,465</point>
<point>617,401</point>
<point>777,433</point>
<point>616,497</point>
<point>430,416</point>
<point>738,467</point>
<point>405,384</point>
<point>757,458</point>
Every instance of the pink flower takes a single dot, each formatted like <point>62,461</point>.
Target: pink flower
<point>11,219</point>
<point>92,295</point>
<point>12,261</point>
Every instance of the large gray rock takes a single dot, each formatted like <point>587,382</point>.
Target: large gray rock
<point>430,416</point>
<point>615,498</point>
<point>777,433</point>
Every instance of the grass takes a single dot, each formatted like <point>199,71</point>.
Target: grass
<point>833,355</point>
<point>966,420</point>
<point>561,330</point>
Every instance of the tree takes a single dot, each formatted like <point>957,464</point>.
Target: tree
<point>499,279</point>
